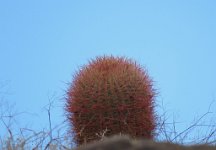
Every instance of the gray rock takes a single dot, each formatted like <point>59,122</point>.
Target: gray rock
<point>126,143</point>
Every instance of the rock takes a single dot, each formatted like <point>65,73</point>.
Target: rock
<point>126,143</point>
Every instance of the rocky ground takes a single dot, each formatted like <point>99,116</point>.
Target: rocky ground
<point>126,143</point>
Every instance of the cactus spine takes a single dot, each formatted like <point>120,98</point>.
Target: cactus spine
<point>111,95</point>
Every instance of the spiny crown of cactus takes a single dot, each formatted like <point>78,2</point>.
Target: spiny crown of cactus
<point>111,95</point>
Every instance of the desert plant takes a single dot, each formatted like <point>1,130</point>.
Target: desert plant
<point>111,95</point>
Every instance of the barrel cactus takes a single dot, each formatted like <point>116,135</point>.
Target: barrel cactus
<point>111,95</point>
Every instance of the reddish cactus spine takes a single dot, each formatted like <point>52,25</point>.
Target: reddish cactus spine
<point>112,94</point>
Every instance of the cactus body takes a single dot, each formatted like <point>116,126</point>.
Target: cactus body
<point>111,95</point>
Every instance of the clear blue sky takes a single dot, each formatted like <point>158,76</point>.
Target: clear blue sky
<point>42,44</point>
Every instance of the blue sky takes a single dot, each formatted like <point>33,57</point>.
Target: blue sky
<point>43,43</point>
